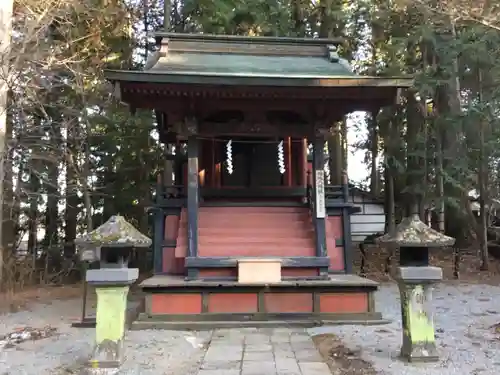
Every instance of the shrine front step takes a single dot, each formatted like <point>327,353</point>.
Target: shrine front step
<point>198,304</point>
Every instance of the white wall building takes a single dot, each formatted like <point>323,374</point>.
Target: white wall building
<point>371,217</point>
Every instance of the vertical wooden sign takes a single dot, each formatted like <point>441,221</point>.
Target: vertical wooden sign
<point>320,194</point>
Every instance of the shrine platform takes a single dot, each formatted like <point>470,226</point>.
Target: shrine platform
<point>172,302</point>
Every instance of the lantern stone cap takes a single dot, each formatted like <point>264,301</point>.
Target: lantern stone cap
<point>112,276</point>
<point>116,232</point>
<point>412,232</point>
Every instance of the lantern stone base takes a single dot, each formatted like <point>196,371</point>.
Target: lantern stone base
<point>111,315</point>
<point>415,285</point>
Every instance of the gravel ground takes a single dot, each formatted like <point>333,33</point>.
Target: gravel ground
<point>147,352</point>
<point>463,314</point>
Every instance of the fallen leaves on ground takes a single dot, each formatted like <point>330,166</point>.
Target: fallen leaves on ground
<point>342,360</point>
<point>21,335</point>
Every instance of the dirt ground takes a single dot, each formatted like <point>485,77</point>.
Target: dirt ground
<point>21,300</point>
<point>340,360</point>
<point>14,302</point>
<point>468,266</point>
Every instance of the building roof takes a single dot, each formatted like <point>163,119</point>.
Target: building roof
<point>262,61</point>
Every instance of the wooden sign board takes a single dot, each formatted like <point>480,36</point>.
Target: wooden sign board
<point>320,195</point>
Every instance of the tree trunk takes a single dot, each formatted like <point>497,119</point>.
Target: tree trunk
<point>440,206</point>
<point>374,140</point>
<point>334,141</point>
<point>413,175</point>
<point>34,191</point>
<point>335,155</point>
<point>71,194</point>
<point>6,9</point>
<point>84,181</point>
<point>453,144</point>
<point>52,212</point>
<point>388,131</point>
<point>482,177</point>
<point>10,214</point>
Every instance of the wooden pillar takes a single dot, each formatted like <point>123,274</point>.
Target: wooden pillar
<point>168,168</point>
<point>192,200</point>
<point>303,162</point>
<point>319,196</point>
<point>213,166</point>
<point>288,161</point>
<point>218,165</point>
<point>159,217</point>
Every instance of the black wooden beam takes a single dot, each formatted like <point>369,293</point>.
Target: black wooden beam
<point>252,203</point>
<point>158,234</point>
<point>192,197</point>
<point>346,226</point>
<point>226,262</point>
<point>158,231</point>
<point>254,192</point>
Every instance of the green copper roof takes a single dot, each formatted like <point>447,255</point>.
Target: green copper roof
<point>262,66</point>
<point>203,59</point>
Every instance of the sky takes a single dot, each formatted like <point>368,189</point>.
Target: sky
<point>357,170</point>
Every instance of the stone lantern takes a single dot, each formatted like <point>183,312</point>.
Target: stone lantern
<point>113,242</point>
<point>415,279</point>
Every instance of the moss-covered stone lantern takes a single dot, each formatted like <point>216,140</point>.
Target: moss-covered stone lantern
<point>415,279</point>
<point>113,242</point>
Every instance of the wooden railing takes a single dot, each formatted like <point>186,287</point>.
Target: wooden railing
<point>335,193</point>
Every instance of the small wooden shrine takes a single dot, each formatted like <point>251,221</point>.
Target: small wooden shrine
<point>244,230</point>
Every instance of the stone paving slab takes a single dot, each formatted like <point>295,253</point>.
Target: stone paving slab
<point>265,351</point>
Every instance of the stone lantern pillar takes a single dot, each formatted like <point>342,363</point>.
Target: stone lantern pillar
<point>113,242</point>
<point>415,279</point>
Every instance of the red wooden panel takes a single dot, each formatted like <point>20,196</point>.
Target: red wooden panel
<point>334,231</point>
<point>168,260</point>
<point>232,303</point>
<point>171,227</point>
<point>343,302</point>
<point>299,272</point>
<point>176,303</point>
<point>288,302</point>
<point>181,249</point>
<point>218,272</point>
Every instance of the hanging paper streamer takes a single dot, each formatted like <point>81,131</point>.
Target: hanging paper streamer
<point>328,175</point>
<point>281,158</point>
<point>326,166</point>
<point>229,156</point>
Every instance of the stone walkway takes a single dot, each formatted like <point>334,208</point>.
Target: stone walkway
<point>262,352</point>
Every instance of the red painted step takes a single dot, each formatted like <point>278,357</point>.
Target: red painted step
<point>256,225</point>
<point>246,231</point>
<point>251,218</point>
<point>255,240</point>
<point>254,251</point>
<point>250,231</point>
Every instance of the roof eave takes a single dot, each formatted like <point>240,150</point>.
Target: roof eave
<point>257,80</point>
